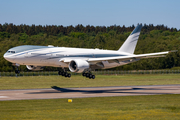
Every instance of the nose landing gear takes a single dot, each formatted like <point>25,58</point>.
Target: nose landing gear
<point>17,71</point>
<point>16,66</point>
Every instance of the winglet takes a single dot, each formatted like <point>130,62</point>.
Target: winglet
<point>130,44</point>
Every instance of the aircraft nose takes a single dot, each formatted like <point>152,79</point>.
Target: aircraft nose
<point>8,57</point>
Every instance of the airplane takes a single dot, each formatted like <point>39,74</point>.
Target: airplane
<point>78,60</point>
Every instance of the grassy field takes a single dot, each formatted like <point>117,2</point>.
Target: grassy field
<point>165,107</point>
<point>126,107</point>
<point>79,81</point>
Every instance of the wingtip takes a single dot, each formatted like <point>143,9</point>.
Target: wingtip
<point>173,51</point>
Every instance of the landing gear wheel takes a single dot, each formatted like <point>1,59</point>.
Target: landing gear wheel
<point>17,71</point>
<point>59,73</point>
<point>66,74</point>
<point>90,76</point>
<point>63,74</point>
<point>93,76</point>
<point>83,74</point>
<point>69,75</point>
<point>87,74</point>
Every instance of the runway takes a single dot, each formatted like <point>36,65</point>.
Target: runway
<point>57,92</point>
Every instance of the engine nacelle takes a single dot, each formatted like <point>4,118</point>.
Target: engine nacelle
<point>78,66</point>
<point>32,67</point>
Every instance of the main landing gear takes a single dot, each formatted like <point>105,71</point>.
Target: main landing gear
<point>88,75</point>
<point>65,74</point>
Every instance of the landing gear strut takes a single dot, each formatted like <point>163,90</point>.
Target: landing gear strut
<point>88,75</point>
<point>16,66</point>
<point>17,71</point>
<point>64,73</point>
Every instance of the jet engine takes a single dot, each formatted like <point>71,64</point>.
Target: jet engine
<point>32,67</point>
<point>78,66</point>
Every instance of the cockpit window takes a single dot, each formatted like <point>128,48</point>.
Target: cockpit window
<point>10,51</point>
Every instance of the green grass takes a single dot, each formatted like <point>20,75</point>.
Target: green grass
<point>126,108</point>
<point>151,107</point>
<point>79,81</point>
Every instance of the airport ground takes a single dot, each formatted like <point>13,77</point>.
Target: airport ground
<point>124,107</point>
<point>34,82</point>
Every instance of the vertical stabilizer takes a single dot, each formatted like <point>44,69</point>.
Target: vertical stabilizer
<point>130,44</point>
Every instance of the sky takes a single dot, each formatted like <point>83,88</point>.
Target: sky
<point>91,12</point>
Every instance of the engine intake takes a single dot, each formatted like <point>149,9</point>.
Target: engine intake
<point>32,67</point>
<point>78,66</point>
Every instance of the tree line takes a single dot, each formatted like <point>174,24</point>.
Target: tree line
<point>152,39</point>
<point>56,30</point>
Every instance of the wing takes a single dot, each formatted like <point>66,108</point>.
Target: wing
<point>118,59</point>
<point>131,57</point>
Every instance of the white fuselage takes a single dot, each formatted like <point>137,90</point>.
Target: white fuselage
<point>52,56</point>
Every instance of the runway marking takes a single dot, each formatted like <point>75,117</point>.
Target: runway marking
<point>3,97</point>
<point>57,92</point>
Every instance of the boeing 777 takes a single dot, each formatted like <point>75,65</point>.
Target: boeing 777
<point>77,60</point>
